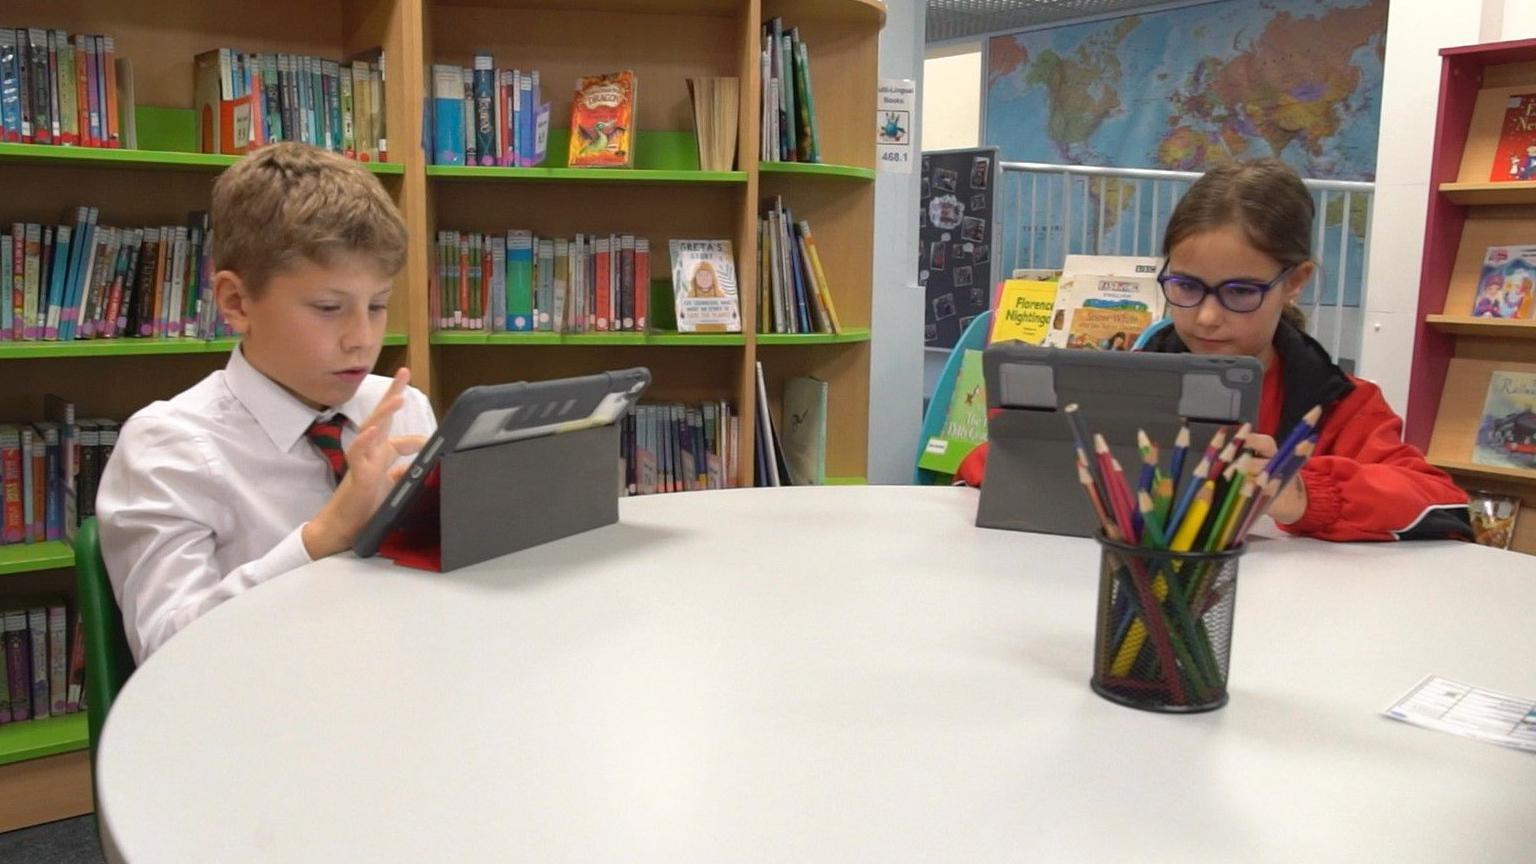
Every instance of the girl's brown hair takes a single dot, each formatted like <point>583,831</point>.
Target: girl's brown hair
<point>1266,198</point>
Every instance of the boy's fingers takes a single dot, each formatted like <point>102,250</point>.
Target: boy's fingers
<point>395,392</point>
<point>397,472</point>
<point>405,445</point>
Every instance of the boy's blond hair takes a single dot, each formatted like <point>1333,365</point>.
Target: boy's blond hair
<point>288,203</point>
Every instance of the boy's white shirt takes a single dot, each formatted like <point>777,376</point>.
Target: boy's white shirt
<point>205,495</point>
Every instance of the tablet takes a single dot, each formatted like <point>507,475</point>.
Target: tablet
<point>504,414</point>
<point>1032,482</point>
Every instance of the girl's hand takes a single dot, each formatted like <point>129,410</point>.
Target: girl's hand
<point>1291,504</point>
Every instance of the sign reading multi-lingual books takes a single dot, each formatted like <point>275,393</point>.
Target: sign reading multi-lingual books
<point>893,130</point>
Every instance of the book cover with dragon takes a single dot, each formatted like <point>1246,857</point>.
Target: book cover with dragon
<point>603,121</point>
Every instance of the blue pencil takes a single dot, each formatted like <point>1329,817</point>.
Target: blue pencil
<point>1180,450</point>
<point>1298,433</point>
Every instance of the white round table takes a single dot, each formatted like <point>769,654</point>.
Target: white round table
<point>828,674</point>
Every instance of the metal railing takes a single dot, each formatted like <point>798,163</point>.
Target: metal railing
<point>1052,211</point>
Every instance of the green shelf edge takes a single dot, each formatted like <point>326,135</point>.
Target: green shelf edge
<point>33,739</point>
<point>131,347</point>
<point>817,169</point>
<point>656,339</point>
<point>44,153</point>
<point>30,557</point>
<point>849,335</point>
<point>590,175</point>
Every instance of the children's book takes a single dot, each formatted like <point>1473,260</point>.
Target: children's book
<point>805,430</point>
<point>1506,434</point>
<point>1507,287</point>
<point>1493,518</point>
<point>1515,157</point>
<point>603,121</point>
<point>1023,311</point>
<point>1104,302</point>
<point>704,286</point>
<point>965,426</point>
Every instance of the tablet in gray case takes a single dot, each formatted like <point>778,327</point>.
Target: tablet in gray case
<point>1031,481</point>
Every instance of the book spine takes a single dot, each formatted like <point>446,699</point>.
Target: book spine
<point>53,85</point>
<point>821,278</point>
<point>76,667</point>
<point>112,122</point>
<point>448,116</point>
<point>22,326</point>
<point>520,291</point>
<point>483,83</point>
<point>626,283</point>
<point>10,84</point>
<point>39,241</point>
<point>818,314</point>
<point>337,123</point>
<point>36,450</point>
<point>6,265</point>
<point>18,664</point>
<point>604,286</point>
<point>642,283</point>
<point>560,311</point>
<point>53,468</point>
<point>37,627</point>
<point>467,96</point>
<point>69,107</point>
<point>97,106</point>
<point>348,111</point>
<point>39,76</point>
<point>58,657</point>
<point>28,509</point>
<point>79,46</point>
<point>24,85</point>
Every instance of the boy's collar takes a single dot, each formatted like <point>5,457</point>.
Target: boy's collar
<point>279,413</point>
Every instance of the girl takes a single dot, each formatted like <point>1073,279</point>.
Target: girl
<point>1238,252</point>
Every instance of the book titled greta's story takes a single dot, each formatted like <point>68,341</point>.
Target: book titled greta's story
<point>704,286</point>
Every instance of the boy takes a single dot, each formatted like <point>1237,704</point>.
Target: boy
<point>242,477</point>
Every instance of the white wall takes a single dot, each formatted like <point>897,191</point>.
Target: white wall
<point>951,104</point>
<point>1416,31</point>
<point>896,319</point>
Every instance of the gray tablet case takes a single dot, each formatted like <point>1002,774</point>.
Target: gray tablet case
<point>503,499</point>
<point>1031,481</point>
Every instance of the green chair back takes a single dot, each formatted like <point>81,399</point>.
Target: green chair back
<point>108,660</point>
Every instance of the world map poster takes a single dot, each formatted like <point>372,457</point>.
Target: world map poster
<point>1195,86</point>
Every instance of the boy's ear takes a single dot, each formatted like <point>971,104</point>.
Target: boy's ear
<point>230,293</point>
<point>1298,280</point>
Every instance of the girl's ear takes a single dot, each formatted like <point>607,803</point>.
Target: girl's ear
<point>1297,281</point>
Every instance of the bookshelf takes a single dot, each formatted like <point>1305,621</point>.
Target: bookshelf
<point>665,196</point>
<point>1456,354</point>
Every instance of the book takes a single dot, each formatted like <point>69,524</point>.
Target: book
<point>965,423</point>
<point>715,109</point>
<point>805,430</point>
<point>1507,286</point>
<point>37,652</point>
<point>1506,433</point>
<point>1514,157</point>
<point>18,663</point>
<point>1023,311</point>
<point>58,661</point>
<point>704,286</point>
<point>448,119</point>
<point>76,684</point>
<point>14,513</point>
<point>1104,302</point>
<point>602,121</point>
<point>768,460</point>
<point>1493,517</point>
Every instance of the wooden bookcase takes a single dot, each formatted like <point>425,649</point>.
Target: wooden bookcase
<point>1455,353</point>
<point>43,769</point>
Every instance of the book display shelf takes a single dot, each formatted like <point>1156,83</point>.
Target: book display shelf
<point>1457,356</point>
<point>44,767</point>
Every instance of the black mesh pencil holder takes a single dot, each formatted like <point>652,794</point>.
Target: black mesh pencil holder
<point>1164,633</point>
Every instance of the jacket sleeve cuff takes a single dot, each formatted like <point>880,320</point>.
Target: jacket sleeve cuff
<point>1325,501</point>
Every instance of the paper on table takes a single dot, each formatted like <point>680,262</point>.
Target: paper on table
<point>1486,715</point>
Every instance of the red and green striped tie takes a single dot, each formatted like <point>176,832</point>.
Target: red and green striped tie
<point>326,436</point>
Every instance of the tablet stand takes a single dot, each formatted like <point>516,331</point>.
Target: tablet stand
<point>493,501</point>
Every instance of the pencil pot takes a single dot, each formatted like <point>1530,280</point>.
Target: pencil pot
<point>1164,635</point>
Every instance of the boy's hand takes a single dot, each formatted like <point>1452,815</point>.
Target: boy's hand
<point>1291,504</point>
<point>370,474</point>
